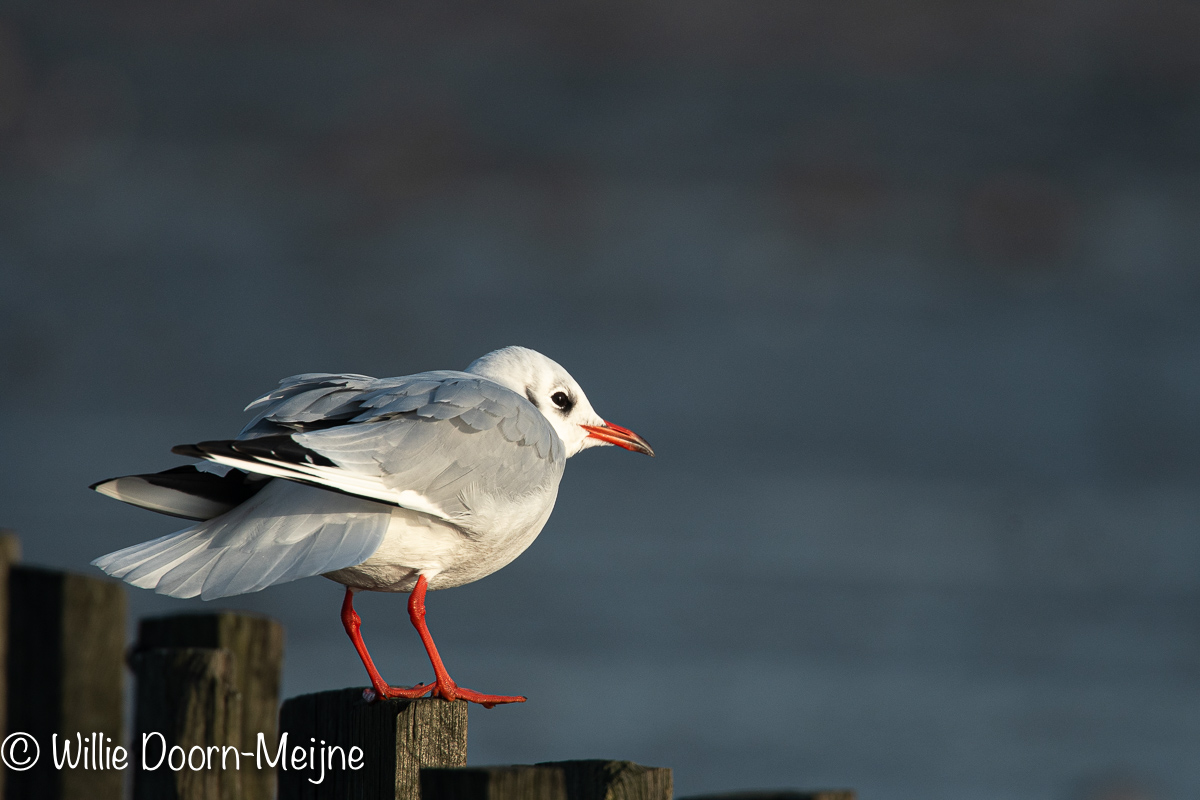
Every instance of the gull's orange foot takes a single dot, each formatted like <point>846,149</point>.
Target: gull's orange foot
<point>445,690</point>
<point>449,690</point>
<point>385,692</point>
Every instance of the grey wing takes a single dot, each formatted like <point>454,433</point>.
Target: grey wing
<point>285,532</point>
<point>443,443</point>
<point>466,446</point>
<point>312,401</point>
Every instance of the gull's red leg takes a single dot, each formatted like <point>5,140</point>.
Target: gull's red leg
<point>352,622</point>
<point>443,685</point>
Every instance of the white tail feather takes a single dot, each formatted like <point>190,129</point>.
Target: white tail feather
<point>286,531</point>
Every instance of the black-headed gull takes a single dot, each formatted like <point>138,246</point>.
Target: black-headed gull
<point>427,481</point>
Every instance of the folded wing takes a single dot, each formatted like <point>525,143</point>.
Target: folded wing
<point>448,444</point>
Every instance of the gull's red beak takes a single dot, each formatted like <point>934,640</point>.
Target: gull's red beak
<point>621,437</point>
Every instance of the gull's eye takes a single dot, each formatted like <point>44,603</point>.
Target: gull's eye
<point>561,400</point>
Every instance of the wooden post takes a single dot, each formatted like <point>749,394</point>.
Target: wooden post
<point>66,671</point>
<point>553,780</point>
<point>823,794</point>
<point>188,724</point>
<point>397,739</point>
<point>257,647</point>
<point>10,554</point>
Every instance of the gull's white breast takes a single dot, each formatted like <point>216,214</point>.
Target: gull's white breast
<point>447,555</point>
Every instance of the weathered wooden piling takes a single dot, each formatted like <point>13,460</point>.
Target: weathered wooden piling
<point>205,718</point>
<point>188,725</point>
<point>397,739</point>
<point>66,670</point>
<point>256,646</point>
<point>10,554</point>
<point>554,780</point>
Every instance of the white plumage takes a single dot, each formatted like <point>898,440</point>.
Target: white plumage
<point>398,484</point>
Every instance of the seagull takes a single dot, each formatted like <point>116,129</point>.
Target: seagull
<point>426,481</point>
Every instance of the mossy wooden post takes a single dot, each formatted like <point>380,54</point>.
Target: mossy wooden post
<point>66,676</point>
<point>553,780</point>
<point>397,738</point>
<point>256,644</point>
<point>187,698</point>
<point>10,554</point>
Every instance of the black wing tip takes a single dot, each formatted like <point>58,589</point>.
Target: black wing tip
<point>278,448</point>
<point>176,491</point>
<point>204,450</point>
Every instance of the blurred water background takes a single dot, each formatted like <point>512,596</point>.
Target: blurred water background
<point>904,295</point>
